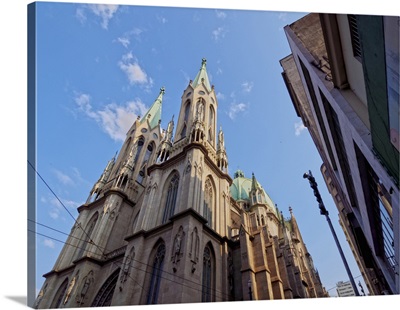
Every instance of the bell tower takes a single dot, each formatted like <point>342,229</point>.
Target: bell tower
<point>198,118</point>
<point>194,160</point>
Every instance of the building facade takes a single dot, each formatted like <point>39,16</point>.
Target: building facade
<point>165,223</point>
<point>343,80</point>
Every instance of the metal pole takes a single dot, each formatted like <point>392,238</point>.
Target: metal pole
<point>342,255</point>
<point>325,212</point>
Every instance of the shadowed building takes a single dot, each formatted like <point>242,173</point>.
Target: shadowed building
<point>343,79</point>
<point>165,223</point>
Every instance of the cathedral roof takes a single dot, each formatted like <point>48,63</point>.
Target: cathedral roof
<point>202,76</point>
<point>154,113</point>
<point>241,187</point>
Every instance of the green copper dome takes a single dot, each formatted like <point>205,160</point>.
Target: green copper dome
<point>241,187</point>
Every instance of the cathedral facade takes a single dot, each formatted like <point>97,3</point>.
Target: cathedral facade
<point>165,223</point>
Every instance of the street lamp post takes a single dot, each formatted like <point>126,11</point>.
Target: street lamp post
<point>325,212</point>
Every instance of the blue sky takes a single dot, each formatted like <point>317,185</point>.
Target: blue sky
<point>99,66</point>
<point>14,137</point>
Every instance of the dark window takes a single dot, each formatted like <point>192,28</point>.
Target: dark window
<point>87,234</point>
<point>318,114</point>
<point>379,208</point>
<point>60,294</point>
<point>149,151</point>
<point>337,138</point>
<point>171,198</point>
<point>207,277</point>
<point>156,275</point>
<point>355,36</point>
<point>211,125</point>
<point>139,147</point>
<point>104,296</point>
<point>185,119</point>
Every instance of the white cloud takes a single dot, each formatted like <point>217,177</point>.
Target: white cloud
<point>134,72</point>
<point>115,120</point>
<point>236,108</point>
<point>220,96</point>
<point>49,243</point>
<point>218,33</point>
<point>220,14</point>
<point>63,178</point>
<point>124,41</point>
<point>162,19</point>
<point>80,14</point>
<point>136,32</point>
<point>282,16</point>
<point>104,11</point>
<point>247,86</point>
<point>298,128</point>
<point>54,214</point>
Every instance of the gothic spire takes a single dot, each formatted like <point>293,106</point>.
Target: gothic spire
<point>202,76</point>
<point>295,227</point>
<point>170,129</point>
<point>254,184</point>
<point>153,115</point>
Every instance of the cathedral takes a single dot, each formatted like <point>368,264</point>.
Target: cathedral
<point>165,223</point>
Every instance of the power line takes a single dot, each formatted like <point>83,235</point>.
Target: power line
<point>221,294</point>
<point>61,232</point>
<point>59,200</point>
<point>91,241</point>
<point>75,246</point>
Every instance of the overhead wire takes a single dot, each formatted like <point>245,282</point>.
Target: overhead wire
<point>65,208</point>
<point>91,241</point>
<point>220,293</point>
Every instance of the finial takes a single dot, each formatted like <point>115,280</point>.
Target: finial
<point>290,210</point>
<point>203,62</point>
<point>162,90</point>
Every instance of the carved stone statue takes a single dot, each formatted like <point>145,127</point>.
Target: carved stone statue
<point>177,249</point>
<point>70,288</point>
<point>86,282</point>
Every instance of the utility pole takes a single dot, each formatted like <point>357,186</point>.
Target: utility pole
<point>325,212</point>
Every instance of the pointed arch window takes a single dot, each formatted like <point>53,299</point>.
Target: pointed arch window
<point>156,274</point>
<point>185,119</point>
<point>208,275</point>
<point>139,147</point>
<point>87,234</point>
<point>170,202</point>
<point>140,175</point>
<point>262,220</point>
<point>60,294</point>
<point>208,202</point>
<point>127,143</point>
<point>149,151</point>
<point>211,117</point>
<point>106,292</point>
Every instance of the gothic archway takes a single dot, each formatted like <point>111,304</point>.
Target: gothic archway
<point>105,294</point>
<point>59,295</point>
